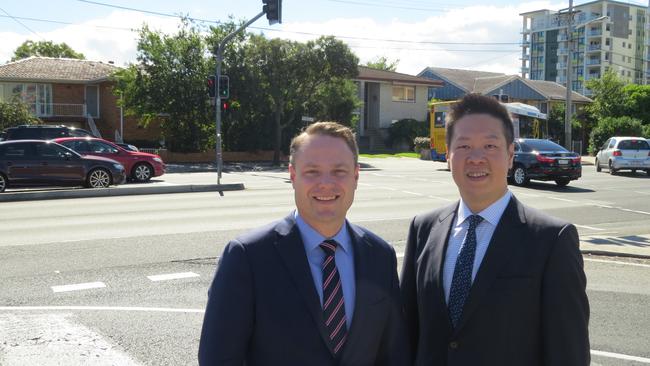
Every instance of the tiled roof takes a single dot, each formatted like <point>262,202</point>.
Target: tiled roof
<point>55,69</point>
<point>549,89</point>
<point>370,74</point>
<point>461,78</point>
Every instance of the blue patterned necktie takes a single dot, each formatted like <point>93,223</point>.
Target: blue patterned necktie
<point>462,279</point>
<point>333,303</point>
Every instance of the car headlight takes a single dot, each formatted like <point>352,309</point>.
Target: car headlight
<point>159,160</point>
<point>118,166</point>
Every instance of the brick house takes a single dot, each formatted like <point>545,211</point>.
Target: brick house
<point>72,92</point>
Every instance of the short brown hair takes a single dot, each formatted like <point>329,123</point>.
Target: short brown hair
<point>332,129</point>
<point>479,104</point>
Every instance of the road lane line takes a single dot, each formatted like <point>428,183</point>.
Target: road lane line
<point>172,276</point>
<point>413,193</point>
<point>589,227</point>
<point>55,339</point>
<point>440,198</point>
<point>618,262</point>
<point>101,308</point>
<point>78,286</point>
<point>561,199</point>
<point>620,356</point>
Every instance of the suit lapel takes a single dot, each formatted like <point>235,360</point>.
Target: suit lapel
<point>292,251</point>
<point>507,235</point>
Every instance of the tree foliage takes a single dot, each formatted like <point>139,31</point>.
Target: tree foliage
<point>168,83</point>
<point>613,126</point>
<point>382,63</point>
<point>637,101</point>
<point>608,95</point>
<point>15,113</point>
<point>45,49</point>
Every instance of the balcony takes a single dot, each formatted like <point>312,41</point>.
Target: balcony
<point>561,65</point>
<point>562,51</point>
<point>524,57</point>
<point>595,33</point>
<point>57,110</point>
<point>592,76</point>
<point>594,48</point>
<point>560,79</point>
<point>562,37</point>
<point>593,62</point>
<point>525,69</point>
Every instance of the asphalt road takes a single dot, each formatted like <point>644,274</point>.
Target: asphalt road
<point>78,284</point>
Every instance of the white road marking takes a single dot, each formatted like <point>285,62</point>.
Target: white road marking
<point>385,219</point>
<point>618,262</point>
<point>173,276</point>
<point>589,227</point>
<point>634,211</point>
<point>604,206</point>
<point>440,198</point>
<point>620,356</point>
<point>78,286</point>
<point>101,308</point>
<point>53,339</point>
<point>560,199</point>
<point>413,193</point>
<point>639,192</point>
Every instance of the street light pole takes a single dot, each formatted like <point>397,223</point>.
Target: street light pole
<point>567,112</point>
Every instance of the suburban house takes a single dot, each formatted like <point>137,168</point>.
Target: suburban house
<point>72,92</point>
<point>507,88</point>
<point>388,97</point>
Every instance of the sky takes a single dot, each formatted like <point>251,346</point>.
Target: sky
<point>415,33</point>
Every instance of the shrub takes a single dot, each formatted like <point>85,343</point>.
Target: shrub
<point>613,126</point>
<point>406,130</point>
<point>15,113</point>
<point>646,131</point>
<point>421,143</point>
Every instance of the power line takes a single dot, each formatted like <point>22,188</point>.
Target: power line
<point>73,24</point>
<point>19,22</point>
<point>147,11</point>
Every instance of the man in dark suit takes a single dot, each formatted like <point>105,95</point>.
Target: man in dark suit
<point>488,280</point>
<point>311,289</point>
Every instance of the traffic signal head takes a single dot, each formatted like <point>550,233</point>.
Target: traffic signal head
<point>212,86</point>
<point>273,10</point>
<point>224,87</point>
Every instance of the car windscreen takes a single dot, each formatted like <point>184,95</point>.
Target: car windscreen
<point>633,145</point>
<point>541,145</point>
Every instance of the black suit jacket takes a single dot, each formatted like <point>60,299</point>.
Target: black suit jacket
<point>263,308</point>
<point>527,305</point>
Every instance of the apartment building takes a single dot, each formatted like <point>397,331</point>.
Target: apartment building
<point>606,35</point>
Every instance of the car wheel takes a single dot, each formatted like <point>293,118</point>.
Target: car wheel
<point>562,182</point>
<point>519,176</point>
<point>3,182</point>
<point>647,171</point>
<point>142,172</point>
<point>597,164</point>
<point>612,171</point>
<point>98,178</point>
<point>633,171</point>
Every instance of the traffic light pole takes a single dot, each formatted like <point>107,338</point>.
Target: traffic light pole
<point>220,49</point>
<point>568,112</point>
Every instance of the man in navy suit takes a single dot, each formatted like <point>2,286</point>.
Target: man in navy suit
<point>311,289</point>
<point>488,280</point>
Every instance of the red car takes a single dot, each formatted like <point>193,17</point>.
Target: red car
<point>140,166</point>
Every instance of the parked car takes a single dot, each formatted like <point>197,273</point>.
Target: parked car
<point>42,132</point>
<point>543,160</point>
<point>39,162</point>
<point>140,166</point>
<point>624,153</point>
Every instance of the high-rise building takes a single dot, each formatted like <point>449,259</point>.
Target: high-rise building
<point>606,35</point>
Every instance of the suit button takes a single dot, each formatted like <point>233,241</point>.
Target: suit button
<point>453,345</point>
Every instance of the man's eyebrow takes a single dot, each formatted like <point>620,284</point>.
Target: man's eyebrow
<point>490,137</point>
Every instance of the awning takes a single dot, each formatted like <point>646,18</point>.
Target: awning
<point>524,109</point>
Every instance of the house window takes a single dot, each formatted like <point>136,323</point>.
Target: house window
<point>38,97</point>
<point>403,93</point>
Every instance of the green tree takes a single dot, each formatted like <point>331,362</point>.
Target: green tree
<point>609,98</point>
<point>169,83</point>
<point>382,63</point>
<point>637,103</point>
<point>335,101</point>
<point>15,113</point>
<point>45,49</point>
<point>613,126</point>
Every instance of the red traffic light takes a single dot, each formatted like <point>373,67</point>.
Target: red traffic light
<point>212,86</point>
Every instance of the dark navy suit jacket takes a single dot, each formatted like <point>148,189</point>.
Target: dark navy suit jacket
<point>263,308</point>
<point>527,305</point>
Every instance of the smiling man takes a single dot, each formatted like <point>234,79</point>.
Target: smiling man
<point>488,280</point>
<point>310,289</point>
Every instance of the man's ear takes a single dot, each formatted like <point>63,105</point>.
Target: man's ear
<point>292,173</point>
<point>511,154</point>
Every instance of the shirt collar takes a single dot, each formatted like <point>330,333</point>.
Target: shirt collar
<point>491,214</point>
<point>312,238</point>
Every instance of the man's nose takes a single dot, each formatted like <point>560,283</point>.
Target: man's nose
<point>476,155</point>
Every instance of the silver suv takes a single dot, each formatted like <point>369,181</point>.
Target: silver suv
<point>624,153</point>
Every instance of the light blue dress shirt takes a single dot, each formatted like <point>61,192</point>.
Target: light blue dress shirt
<point>491,216</point>
<point>344,257</point>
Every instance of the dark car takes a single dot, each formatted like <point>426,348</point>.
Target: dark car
<point>543,160</point>
<point>140,166</point>
<point>41,132</point>
<point>46,163</point>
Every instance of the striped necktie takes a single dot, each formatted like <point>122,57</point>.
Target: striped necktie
<point>462,280</point>
<point>333,303</point>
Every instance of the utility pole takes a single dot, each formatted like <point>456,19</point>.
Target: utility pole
<point>567,112</point>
